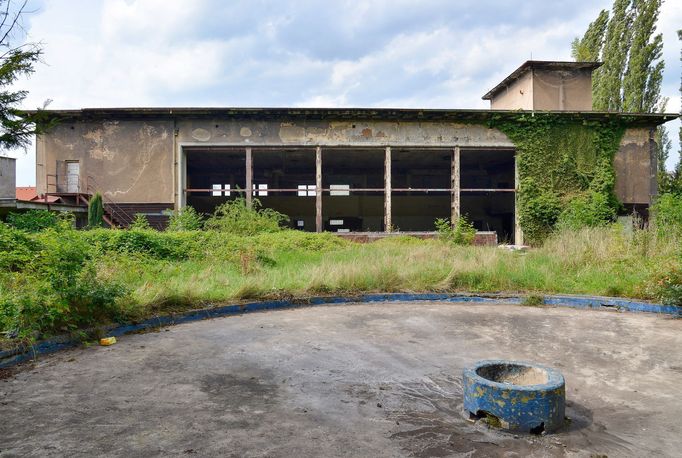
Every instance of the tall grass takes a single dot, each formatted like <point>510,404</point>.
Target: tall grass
<point>602,261</point>
<point>166,272</point>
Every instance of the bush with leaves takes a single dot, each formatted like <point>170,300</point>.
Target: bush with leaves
<point>235,217</point>
<point>666,283</point>
<point>185,219</point>
<point>667,211</point>
<point>33,220</point>
<point>590,209</point>
<point>57,288</point>
<point>462,233</point>
<point>17,249</point>
<point>140,223</point>
<point>539,216</point>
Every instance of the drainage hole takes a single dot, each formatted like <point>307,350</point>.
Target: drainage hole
<point>538,430</point>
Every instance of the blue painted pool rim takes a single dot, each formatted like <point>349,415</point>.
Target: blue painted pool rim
<point>24,353</point>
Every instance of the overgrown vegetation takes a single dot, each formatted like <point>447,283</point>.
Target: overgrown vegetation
<point>96,211</point>
<point>461,233</point>
<point>59,279</point>
<point>565,171</point>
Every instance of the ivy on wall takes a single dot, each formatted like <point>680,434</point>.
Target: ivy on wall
<point>565,167</point>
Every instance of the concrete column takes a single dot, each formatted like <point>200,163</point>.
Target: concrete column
<point>454,185</point>
<point>518,232</point>
<point>249,177</point>
<point>318,189</point>
<point>387,191</point>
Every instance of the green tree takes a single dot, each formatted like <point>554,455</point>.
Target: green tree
<point>96,211</point>
<point>17,127</point>
<point>607,83</point>
<point>642,78</point>
<point>588,48</point>
<point>630,79</point>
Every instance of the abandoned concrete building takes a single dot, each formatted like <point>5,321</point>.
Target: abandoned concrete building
<point>345,170</point>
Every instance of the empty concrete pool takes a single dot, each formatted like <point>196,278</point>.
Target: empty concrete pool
<point>381,379</point>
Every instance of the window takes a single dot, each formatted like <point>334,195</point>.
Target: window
<point>220,190</point>
<point>308,190</point>
<point>339,189</point>
<point>260,190</point>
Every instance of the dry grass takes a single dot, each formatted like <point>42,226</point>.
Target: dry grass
<point>602,261</point>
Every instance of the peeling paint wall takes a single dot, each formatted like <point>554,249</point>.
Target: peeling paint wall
<point>331,133</point>
<point>128,161</point>
<point>635,166</point>
<point>132,161</point>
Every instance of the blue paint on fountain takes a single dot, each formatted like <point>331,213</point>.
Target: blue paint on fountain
<point>520,396</point>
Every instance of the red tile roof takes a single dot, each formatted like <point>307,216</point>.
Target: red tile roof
<point>28,193</point>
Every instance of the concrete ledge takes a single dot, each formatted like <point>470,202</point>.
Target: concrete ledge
<point>24,353</point>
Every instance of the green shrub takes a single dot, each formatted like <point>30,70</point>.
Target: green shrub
<point>17,249</point>
<point>591,209</point>
<point>235,217</point>
<point>148,242</point>
<point>539,215</point>
<point>463,232</point>
<point>185,219</point>
<point>96,211</point>
<point>33,220</point>
<point>57,288</point>
<point>666,284</point>
<point>140,222</point>
<point>667,210</point>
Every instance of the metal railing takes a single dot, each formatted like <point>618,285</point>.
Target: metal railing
<point>82,190</point>
<point>117,213</point>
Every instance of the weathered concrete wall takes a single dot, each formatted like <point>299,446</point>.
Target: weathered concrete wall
<point>8,178</point>
<point>547,90</point>
<point>635,165</point>
<point>562,90</point>
<point>333,133</point>
<point>133,161</point>
<point>519,95</point>
<point>129,161</point>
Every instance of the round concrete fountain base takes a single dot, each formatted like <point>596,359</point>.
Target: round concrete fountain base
<point>516,396</point>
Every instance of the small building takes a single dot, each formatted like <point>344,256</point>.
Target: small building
<point>20,199</point>
<point>347,170</point>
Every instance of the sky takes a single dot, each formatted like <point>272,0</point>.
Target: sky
<point>301,53</point>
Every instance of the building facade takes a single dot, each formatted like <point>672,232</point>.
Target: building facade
<point>341,170</point>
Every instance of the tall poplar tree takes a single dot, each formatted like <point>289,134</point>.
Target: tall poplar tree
<point>608,80</point>
<point>588,48</point>
<point>625,40</point>
<point>642,78</point>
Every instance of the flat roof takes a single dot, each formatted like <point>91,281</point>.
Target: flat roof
<point>382,114</point>
<point>539,65</point>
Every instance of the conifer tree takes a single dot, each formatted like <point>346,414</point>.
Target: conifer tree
<point>16,126</point>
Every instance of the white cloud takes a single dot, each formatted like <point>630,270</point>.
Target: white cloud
<point>432,53</point>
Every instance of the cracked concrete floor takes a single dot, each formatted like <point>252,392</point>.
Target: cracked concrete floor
<point>380,379</point>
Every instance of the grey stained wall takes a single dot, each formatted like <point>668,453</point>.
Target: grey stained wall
<point>128,161</point>
<point>137,161</point>
<point>547,90</point>
<point>8,179</point>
